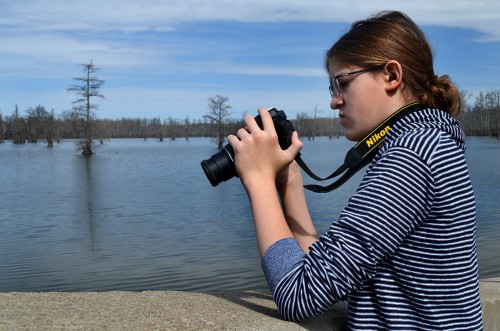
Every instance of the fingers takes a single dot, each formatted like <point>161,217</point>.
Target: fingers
<point>295,146</point>
<point>232,139</point>
<point>267,125</point>
<point>251,124</point>
<point>267,121</point>
<point>240,135</point>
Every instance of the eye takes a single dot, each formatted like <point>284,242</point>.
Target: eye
<point>343,82</point>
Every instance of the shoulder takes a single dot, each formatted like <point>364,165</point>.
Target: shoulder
<point>427,133</point>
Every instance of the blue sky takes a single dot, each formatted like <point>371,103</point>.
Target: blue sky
<point>166,58</point>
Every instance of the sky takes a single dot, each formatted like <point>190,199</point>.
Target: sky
<point>165,58</point>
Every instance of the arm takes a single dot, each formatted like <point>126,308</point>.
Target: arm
<point>291,190</point>
<point>258,160</point>
<point>269,221</point>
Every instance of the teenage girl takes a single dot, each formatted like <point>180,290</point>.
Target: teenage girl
<point>403,250</point>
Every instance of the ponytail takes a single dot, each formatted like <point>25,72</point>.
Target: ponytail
<point>441,93</point>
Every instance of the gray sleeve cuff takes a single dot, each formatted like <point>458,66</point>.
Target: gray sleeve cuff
<point>279,259</point>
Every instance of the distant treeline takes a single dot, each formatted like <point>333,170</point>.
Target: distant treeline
<point>483,117</point>
<point>479,119</point>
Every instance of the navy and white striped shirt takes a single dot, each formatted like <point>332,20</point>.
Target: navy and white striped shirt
<point>403,251</point>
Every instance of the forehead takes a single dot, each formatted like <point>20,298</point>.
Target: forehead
<point>337,68</point>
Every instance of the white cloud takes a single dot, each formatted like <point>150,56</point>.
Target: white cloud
<point>135,15</point>
<point>43,41</point>
<point>264,70</point>
<point>58,32</point>
<point>70,49</point>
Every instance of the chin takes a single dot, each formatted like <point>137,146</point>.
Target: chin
<point>352,136</point>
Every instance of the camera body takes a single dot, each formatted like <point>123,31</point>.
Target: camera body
<point>220,166</point>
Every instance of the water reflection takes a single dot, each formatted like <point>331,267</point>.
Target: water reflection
<point>89,196</point>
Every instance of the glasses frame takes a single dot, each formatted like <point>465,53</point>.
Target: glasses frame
<point>334,87</point>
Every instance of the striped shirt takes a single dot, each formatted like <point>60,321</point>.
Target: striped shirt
<point>402,252</point>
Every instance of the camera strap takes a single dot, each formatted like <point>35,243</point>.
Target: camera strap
<point>359,155</point>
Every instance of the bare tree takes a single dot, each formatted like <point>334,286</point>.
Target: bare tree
<point>35,122</point>
<point>315,112</point>
<point>493,106</point>
<point>86,88</point>
<point>172,128</point>
<point>187,126</point>
<point>49,128</point>
<point>219,114</point>
<point>301,123</point>
<point>18,127</point>
<point>3,126</point>
<point>157,128</point>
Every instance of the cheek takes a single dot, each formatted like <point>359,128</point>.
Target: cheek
<point>364,111</point>
<point>362,123</point>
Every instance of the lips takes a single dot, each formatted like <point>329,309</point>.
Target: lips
<point>342,119</point>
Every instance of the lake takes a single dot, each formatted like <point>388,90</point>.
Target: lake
<point>141,215</point>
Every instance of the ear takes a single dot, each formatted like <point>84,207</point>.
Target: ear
<point>393,73</point>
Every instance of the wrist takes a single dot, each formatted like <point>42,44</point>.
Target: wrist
<point>291,181</point>
<point>258,184</point>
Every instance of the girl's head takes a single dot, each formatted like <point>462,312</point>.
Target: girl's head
<point>372,43</point>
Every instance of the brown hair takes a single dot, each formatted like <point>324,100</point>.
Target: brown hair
<point>394,36</point>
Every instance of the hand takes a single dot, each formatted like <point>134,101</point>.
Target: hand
<point>258,156</point>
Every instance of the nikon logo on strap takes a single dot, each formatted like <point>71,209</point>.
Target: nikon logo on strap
<point>361,154</point>
<point>377,136</point>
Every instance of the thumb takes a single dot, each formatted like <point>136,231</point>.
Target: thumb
<point>295,147</point>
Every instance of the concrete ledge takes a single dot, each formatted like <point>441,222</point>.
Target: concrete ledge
<point>172,310</point>
<point>490,300</point>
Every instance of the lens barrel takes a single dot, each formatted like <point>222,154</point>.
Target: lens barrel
<point>220,166</point>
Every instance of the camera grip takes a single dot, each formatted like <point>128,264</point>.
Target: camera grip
<point>284,128</point>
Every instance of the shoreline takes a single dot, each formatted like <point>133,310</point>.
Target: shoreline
<point>178,310</point>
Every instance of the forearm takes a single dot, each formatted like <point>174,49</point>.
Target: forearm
<point>270,223</point>
<point>296,212</point>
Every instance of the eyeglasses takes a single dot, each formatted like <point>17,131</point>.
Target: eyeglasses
<point>335,85</point>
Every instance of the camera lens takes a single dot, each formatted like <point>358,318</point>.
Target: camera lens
<point>220,166</point>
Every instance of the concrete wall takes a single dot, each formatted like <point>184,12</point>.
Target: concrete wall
<point>171,310</point>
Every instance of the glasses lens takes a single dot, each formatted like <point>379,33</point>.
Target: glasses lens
<point>335,88</point>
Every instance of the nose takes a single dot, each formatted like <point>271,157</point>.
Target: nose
<point>336,102</point>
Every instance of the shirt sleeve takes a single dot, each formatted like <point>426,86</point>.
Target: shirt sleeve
<point>281,258</point>
<point>390,203</point>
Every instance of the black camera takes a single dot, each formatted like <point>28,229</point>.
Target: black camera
<point>220,166</point>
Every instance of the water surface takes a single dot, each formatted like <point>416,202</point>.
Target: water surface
<point>141,215</point>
